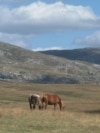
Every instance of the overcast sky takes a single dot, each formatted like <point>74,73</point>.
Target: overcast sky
<point>50,24</point>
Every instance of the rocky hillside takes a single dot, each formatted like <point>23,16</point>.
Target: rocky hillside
<point>21,65</point>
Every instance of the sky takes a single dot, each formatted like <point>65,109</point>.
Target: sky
<point>50,24</point>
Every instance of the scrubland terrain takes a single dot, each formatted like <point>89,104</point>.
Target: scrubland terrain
<point>22,65</point>
<point>81,115</point>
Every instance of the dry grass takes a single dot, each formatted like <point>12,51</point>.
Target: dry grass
<point>19,120</point>
<point>82,114</point>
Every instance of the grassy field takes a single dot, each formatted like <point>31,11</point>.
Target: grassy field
<point>82,113</point>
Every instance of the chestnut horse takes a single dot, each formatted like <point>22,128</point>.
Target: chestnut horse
<point>34,100</point>
<point>52,99</point>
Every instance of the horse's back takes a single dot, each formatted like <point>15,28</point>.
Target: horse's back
<point>33,98</point>
<point>36,95</point>
<point>52,98</point>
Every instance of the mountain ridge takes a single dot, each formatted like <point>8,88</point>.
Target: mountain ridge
<point>22,65</point>
<point>91,55</point>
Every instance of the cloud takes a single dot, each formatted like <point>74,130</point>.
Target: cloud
<point>92,40</point>
<point>50,48</point>
<point>39,17</point>
<point>15,39</point>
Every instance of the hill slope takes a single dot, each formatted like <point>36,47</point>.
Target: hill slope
<point>20,65</point>
<point>91,55</point>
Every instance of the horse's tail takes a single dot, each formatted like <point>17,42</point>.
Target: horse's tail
<point>62,105</point>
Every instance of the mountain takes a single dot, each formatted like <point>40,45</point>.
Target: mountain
<point>91,55</point>
<point>22,65</point>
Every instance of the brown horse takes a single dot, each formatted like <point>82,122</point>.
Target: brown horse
<point>34,100</point>
<point>52,99</point>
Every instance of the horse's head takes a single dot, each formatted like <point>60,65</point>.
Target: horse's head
<point>40,103</point>
<point>44,98</point>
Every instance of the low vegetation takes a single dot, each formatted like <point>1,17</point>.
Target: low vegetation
<point>82,113</point>
<point>22,65</point>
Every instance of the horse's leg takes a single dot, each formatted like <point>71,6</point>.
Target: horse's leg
<point>42,106</point>
<point>60,106</point>
<point>46,104</point>
<point>42,102</point>
<point>30,106</point>
<point>30,103</point>
<point>34,106</point>
<point>39,105</point>
<point>55,106</point>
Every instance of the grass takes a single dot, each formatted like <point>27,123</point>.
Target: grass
<point>82,114</point>
<point>18,120</point>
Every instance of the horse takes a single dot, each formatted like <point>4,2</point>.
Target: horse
<point>52,99</point>
<point>34,100</point>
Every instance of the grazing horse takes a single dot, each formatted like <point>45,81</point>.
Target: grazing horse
<point>34,100</point>
<point>52,99</point>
